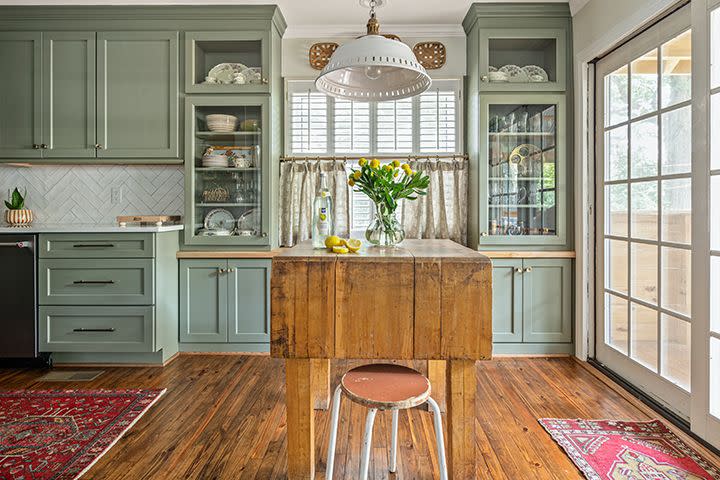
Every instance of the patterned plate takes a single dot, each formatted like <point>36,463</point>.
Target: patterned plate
<point>515,74</point>
<point>535,74</point>
<point>219,219</point>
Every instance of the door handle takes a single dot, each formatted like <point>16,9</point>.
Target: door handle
<point>15,244</point>
<point>93,282</point>
<point>97,245</point>
<point>84,330</point>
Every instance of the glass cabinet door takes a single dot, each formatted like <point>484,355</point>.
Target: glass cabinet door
<point>523,60</point>
<point>227,62</point>
<point>525,172</point>
<point>227,171</point>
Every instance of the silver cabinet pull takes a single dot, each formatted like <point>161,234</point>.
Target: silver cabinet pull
<point>85,330</point>
<point>94,282</point>
<point>96,245</point>
<point>528,270</point>
<point>15,244</point>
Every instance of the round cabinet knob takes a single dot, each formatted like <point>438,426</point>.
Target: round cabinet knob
<point>484,78</point>
<point>36,146</point>
<point>265,81</point>
<point>230,270</point>
<point>221,270</point>
<point>528,270</point>
<point>264,234</point>
<point>484,234</point>
<point>43,146</point>
<point>98,146</point>
<point>518,270</point>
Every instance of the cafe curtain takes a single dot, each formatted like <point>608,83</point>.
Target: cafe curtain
<point>442,213</point>
<point>299,180</point>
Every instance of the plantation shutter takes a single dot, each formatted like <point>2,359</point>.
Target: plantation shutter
<point>438,121</point>
<point>395,126</point>
<point>352,126</point>
<point>308,122</point>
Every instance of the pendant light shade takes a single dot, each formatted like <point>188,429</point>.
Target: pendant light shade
<point>373,68</point>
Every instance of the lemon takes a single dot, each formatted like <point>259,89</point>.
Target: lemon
<point>353,244</point>
<point>340,249</point>
<point>333,241</point>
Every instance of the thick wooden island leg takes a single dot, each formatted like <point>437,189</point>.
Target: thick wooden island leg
<point>300,419</point>
<point>320,383</point>
<point>437,374</point>
<point>461,419</point>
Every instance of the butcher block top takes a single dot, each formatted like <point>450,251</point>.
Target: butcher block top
<point>427,299</point>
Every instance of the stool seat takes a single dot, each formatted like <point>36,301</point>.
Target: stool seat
<point>386,386</point>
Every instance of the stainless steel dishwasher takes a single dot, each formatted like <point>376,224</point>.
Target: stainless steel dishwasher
<point>18,297</point>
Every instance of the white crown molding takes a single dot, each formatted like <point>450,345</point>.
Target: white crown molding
<point>355,30</point>
<point>577,5</point>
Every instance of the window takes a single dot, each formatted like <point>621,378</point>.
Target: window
<point>319,125</point>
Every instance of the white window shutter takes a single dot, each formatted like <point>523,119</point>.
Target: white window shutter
<point>352,127</point>
<point>438,121</point>
<point>308,122</point>
<point>395,126</point>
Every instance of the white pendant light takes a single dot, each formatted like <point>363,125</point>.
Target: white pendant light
<point>373,68</point>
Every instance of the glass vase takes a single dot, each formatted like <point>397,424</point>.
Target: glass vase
<point>385,230</point>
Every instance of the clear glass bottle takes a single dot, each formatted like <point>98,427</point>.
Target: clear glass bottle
<point>322,222</point>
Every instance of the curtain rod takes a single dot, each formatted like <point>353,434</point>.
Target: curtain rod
<point>462,156</point>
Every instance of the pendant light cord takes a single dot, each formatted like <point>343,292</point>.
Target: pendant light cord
<point>373,26</point>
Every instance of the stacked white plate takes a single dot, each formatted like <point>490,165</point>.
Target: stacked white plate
<point>215,160</point>
<point>218,122</point>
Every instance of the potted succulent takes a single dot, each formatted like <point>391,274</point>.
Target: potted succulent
<point>386,185</point>
<point>16,213</point>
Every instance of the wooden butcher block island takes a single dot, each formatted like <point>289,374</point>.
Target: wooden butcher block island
<point>427,299</point>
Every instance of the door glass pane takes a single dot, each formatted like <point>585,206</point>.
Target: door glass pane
<point>676,136</point>
<point>616,96</point>
<point>715,131</point>
<point>644,206</point>
<point>715,377</point>
<point>617,210</point>
<point>616,312</point>
<point>522,171</point>
<point>715,49</point>
<point>676,69</point>
<point>715,212</point>
<point>644,84</point>
<point>644,266</point>
<point>676,279</point>
<point>616,265</point>
<point>644,148</point>
<point>676,210</point>
<point>715,299</point>
<point>643,335</point>
<point>675,350</point>
<point>616,153</point>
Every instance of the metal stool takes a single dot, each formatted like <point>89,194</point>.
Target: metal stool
<point>384,387</point>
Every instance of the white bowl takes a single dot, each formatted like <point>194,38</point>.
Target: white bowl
<point>218,122</point>
<point>498,76</point>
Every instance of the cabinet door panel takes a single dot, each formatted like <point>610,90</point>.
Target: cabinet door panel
<point>507,301</point>
<point>69,94</point>
<point>249,301</point>
<point>20,94</point>
<point>138,94</point>
<point>547,304</point>
<point>203,301</point>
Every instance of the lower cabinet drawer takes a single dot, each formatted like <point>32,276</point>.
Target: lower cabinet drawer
<point>97,329</point>
<point>97,282</point>
<point>97,245</point>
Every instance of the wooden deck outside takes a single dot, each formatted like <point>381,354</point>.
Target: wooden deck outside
<point>223,417</point>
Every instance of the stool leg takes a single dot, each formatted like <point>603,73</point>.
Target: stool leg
<point>334,417</point>
<point>439,438</point>
<point>367,444</point>
<point>393,441</point>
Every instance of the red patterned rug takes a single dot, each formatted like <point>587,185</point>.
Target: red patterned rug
<point>614,450</point>
<point>59,435</point>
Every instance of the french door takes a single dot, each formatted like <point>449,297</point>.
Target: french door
<point>644,198</point>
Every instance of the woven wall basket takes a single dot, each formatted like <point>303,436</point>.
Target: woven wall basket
<point>19,217</point>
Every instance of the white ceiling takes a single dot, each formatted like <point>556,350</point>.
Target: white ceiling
<point>322,17</point>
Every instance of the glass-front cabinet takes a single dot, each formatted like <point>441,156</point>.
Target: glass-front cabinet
<point>227,62</point>
<point>522,182</point>
<point>227,170</point>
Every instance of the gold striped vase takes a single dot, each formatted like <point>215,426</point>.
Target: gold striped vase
<point>19,217</point>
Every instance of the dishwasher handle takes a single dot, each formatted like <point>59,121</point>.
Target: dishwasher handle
<point>24,244</point>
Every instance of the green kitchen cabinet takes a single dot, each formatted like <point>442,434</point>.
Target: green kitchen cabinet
<point>547,303</point>
<point>205,50</point>
<point>532,305</point>
<point>20,95</point>
<point>507,301</point>
<point>68,86</point>
<point>137,81</point>
<point>225,301</point>
<point>249,301</point>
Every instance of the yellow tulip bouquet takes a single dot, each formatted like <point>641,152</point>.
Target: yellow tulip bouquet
<point>386,185</point>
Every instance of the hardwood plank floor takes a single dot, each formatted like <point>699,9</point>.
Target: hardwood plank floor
<point>223,417</point>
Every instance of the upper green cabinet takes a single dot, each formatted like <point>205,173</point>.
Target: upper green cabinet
<point>68,82</point>
<point>137,95</point>
<point>20,94</point>
<point>228,62</point>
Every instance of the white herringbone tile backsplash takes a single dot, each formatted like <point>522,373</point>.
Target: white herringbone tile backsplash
<point>82,194</point>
